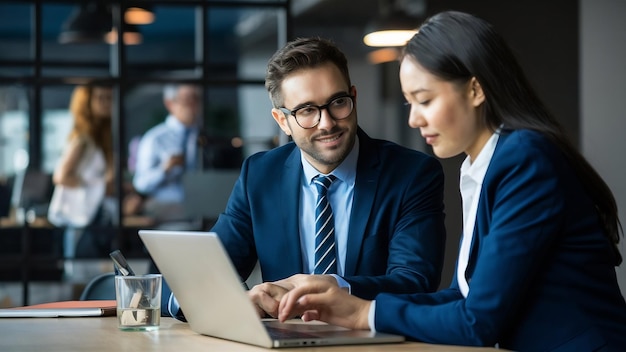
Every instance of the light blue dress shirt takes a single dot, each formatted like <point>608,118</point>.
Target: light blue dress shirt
<point>156,147</point>
<point>340,194</point>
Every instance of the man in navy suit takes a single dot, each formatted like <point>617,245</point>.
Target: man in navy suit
<point>389,223</point>
<point>387,200</point>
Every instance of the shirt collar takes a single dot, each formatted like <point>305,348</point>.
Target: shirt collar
<point>172,122</point>
<point>477,170</point>
<point>346,171</point>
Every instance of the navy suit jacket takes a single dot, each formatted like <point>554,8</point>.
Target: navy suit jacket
<point>541,272</point>
<point>396,236</point>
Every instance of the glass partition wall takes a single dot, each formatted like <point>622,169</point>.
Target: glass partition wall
<point>222,46</point>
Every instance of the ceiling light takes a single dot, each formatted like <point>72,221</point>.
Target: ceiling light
<point>87,24</point>
<point>139,15</point>
<point>394,29</point>
<point>91,22</point>
<point>132,35</point>
<point>396,24</point>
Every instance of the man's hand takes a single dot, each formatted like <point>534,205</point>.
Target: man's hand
<point>299,280</point>
<point>174,160</point>
<point>266,297</point>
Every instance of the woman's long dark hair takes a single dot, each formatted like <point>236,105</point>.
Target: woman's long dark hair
<point>456,46</point>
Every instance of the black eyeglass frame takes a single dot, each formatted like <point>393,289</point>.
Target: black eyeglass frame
<point>320,108</point>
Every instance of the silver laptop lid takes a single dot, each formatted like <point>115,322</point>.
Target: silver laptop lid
<point>199,272</point>
<point>202,277</point>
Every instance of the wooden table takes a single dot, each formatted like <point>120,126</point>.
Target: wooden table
<point>102,334</point>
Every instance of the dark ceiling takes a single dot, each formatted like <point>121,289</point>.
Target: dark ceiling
<point>15,16</point>
<point>336,13</point>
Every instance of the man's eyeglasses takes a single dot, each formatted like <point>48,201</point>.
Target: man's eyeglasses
<point>309,116</point>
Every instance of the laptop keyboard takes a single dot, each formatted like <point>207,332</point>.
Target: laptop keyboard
<point>280,333</point>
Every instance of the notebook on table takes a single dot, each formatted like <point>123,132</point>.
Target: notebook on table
<point>209,291</point>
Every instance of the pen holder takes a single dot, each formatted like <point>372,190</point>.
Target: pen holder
<point>138,302</point>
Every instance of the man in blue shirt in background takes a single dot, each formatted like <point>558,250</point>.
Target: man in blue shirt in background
<point>169,149</point>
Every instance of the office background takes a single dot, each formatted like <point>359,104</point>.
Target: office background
<point>570,49</point>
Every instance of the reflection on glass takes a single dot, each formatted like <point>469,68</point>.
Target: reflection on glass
<point>242,39</point>
<point>53,19</point>
<point>250,108</point>
<point>15,31</point>
<point>13,126</point>
<point>168,41</point>
<point>56,124</point>
<point>56,127</point>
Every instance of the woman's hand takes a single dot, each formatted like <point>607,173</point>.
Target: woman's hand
<point>324,301</point>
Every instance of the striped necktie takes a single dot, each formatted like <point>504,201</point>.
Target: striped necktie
<point>325,253</point>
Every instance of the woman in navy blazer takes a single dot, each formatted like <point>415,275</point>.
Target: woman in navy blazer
<point>536,270</point>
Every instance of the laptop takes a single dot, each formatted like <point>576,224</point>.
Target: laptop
<point>209,291</point>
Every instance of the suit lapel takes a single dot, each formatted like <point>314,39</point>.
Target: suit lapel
<point>367,176</point>
<point>482,224</point>
<point>288,207</point>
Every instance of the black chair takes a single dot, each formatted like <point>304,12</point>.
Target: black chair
<point>101,287</point>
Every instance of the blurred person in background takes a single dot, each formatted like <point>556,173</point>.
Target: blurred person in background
<point>167,150</point>
<point>89,141</point>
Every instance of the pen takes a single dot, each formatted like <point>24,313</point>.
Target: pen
<point>121,264</point>
<point>138,299</point>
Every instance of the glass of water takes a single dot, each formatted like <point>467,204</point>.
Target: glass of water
<point>138,302</point>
